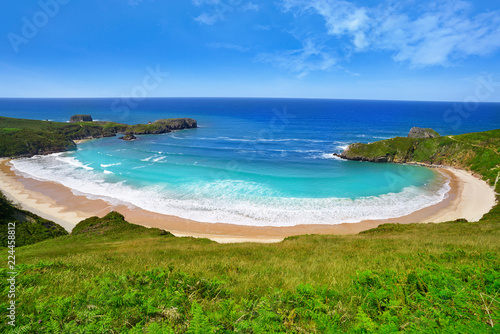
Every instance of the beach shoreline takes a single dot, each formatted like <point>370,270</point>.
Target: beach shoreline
<point>58,203</point>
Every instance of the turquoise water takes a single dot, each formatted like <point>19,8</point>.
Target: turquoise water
<point>251,162</point>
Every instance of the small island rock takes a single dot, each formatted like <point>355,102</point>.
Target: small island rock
<point>129,137</point>
<point>80,118</point>
<point>417,132</point>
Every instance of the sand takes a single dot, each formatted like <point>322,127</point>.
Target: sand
<point>79,141</point>
<point>469,198</point>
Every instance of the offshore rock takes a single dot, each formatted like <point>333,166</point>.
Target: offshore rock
<point>129,137</point>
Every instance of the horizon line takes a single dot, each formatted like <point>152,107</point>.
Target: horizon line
<point>244,97</point>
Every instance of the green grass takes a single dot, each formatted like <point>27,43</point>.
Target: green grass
<point>22,137</point>
<point>124,278</point>
<point>110,276</point>
<point>477,152</point>
<point>30,228</point>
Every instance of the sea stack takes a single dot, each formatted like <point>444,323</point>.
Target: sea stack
<point>129,137</point>
<point>80,118</point>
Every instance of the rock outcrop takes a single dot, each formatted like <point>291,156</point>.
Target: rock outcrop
<point>162,126</point>
<point>178,123</point>
<point>474,151</point>
<point>26,138</point>
<point>129,137</point>
<point>398,150</point>
<point>417,132</point>
<point>80,118</point>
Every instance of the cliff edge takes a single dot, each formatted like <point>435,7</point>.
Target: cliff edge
<point>477,152</point>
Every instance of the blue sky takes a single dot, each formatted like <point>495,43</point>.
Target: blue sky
<point>409,50</point>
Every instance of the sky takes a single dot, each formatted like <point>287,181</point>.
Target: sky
<point>387,50</point>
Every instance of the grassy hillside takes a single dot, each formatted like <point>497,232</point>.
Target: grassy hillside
<point>22,137</point>
<point>477,152</point>
<point>114,277</point>
<point>30,228</point>
<point>110,276</point>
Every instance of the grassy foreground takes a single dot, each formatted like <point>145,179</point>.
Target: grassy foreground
<point>110,276</point>
<point>115,277</point>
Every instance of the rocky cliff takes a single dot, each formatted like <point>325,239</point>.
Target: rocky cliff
<point>417,132</point>
<point>21,137</point>
<point>474,151</point>
<point>162,126</point>
<point>80,118</point>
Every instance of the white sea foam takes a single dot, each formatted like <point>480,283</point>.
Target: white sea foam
<point>73,161</point>
<point>105,166</point>
<point>139,167</point>
<point>108,172</point>
<point>158,159</point>
<point>325,156</point>
<point>229,201</point>
<point>342,147</point>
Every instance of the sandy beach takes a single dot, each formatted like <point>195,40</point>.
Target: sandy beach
<point>469,198</point>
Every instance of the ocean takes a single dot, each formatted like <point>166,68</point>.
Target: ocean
<point>260,162</point>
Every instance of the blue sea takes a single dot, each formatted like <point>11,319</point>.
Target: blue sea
<point>261,162</point>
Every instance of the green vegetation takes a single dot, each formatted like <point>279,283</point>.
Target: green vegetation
<point>161,126</point>
<point>114,277</point>
<point>110,276</point>
<point>477,152</point>
<point>30,228</point>
<point>22,137</point>
<point>80,118</point>
<point>432,132</point>
<point>417,132</point>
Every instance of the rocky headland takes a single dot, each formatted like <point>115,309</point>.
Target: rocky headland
<point>25,138</point>
<point>475,152</point>
<point>417,132</point>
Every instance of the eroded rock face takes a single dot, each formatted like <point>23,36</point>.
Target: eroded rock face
<point>417,132</point>
<point>80,118</point>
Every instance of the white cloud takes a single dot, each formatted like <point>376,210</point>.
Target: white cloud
<point>436,34</point>
<point>134,3</point>
<point>208,19</point>
<point>205,2</point>
<point>219,9</point>
<point>308,59</point>
<point>228,46</point>
<point>250,6</point>
<point>262,27</point>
